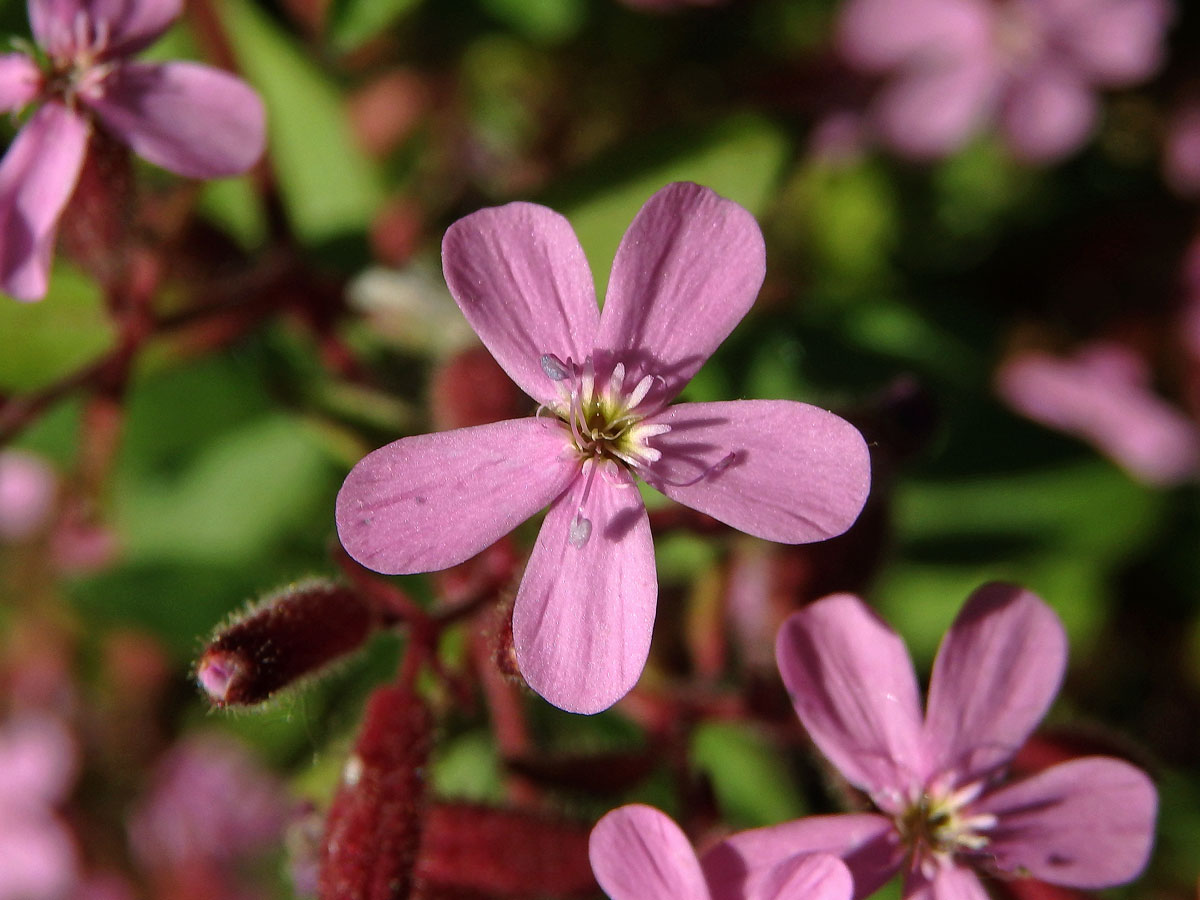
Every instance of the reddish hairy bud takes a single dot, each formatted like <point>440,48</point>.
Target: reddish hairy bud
<point>374,825</point>
<point>286,637</point>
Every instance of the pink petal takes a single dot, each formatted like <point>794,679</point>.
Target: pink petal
<point>950,882</point>
<point>37,857</point>
<point>932,110</point>
<point>1120,42</point>
<point>37,177</point>
<point>1049,113</point>
<point>867,843</point>
<point>38,763</point>
<point>1181,154</point>
<point>133,24</point>
<point>639,853</point>
<point>53,24</point>
<point>775,469</point>
<point>877,35</point>
<point>128,25</point>
<point>27,491</point>
<point>1088,823</point>
<point>686,272</point>
<point>429,502</point>
<point>1095,397</point>
<point>585,608</point>
<point>997,672</point>
<point>521,279</point>
<point>20,80</point>
<point>191,119</point>
<point>853,687</point>
<point>817,876</point>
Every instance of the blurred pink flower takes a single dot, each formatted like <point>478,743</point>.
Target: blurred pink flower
<point>687,270</point>
<point>1103,395</point>
<point>1181,155</point>
<point>192,119</point>
<point>37,768</point>
<point>639,853</point>
<point>946,810</point>
<point>210,801</point>
<point>1034,66</point>
<point>27,487</point>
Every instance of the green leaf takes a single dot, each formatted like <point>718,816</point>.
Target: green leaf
<point>331,189</point>
<point>753,785</point>
<point>467,768</point>
<point>243,495</point>
<point>353,22</point>
<point>47,340</point>
<point>547,21</point>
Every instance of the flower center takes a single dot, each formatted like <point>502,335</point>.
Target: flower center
<point>605,421</point>
<point>74,68</point>
<point>937,825</point>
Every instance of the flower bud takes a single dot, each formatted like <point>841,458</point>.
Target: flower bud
<point>288,636</point>
<point>374,826</point>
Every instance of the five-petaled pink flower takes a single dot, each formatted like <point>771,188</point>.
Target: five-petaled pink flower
<point>1035,65</point>
<point>639,853</point>
<point>939,781</point>
<point>687,270</point>
<point>189,118</point>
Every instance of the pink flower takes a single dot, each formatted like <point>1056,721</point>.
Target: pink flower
<point>37,768</point>
<point>1034,65</point>
<point>686,272</point>
<point>1181,151</point>
<point>939,781</point>
<point>210,801</point>
<point>194,120</point>
<point>1103,396</point>
<point>27,489</point>
<point>638,853</point>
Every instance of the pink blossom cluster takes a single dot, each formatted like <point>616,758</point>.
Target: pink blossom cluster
<point>37,770</point>
<point>1031,68</point>
<point>949,814</point>
<point>191,119</point>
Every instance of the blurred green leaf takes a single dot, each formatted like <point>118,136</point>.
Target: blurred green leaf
<point>352,22</point>
<point>46,340</point>
<point>243,495</point>
<point>548,21</point>
<point>741,159</point>
<point>753,785</point>
<point>329,185</point>
<point>1088,508</point>
<point>847,215</point>
<point>467,768</point>
<point>233,204</point>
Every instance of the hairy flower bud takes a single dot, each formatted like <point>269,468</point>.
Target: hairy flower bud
<point>287,636</point>
<point>374,826</point>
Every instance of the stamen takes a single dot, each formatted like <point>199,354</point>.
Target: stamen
<point>640,391</point>
<point>587,381</point>
<point>555,368</point>
<point>616,381</point>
